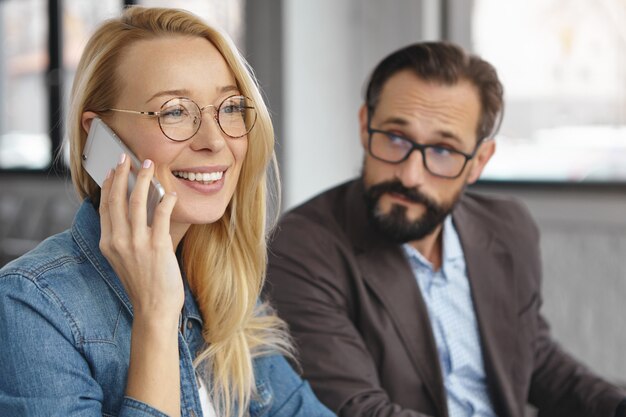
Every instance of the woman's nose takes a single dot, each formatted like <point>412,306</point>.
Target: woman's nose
<point>209,135</point>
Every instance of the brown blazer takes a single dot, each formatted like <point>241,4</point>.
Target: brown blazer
<point>362,329</point>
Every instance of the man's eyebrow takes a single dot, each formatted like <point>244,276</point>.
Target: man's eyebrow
<point>395,121</point>
<point>446,134</point>
<point>443,133</point>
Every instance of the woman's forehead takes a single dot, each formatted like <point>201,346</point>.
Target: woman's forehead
<point>173,63</point>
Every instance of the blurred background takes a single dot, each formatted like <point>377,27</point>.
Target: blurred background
<point>561,149</point>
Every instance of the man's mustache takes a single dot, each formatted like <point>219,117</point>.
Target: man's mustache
<point>396,187</point>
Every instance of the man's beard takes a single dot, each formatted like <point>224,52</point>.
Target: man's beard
<point>395,225</point>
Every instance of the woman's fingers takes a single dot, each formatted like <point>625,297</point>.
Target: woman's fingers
<point>139,197</point>
<point>143,257</point>
<point>105,220</point>
<point>117,202</point>
<point>162,215</point>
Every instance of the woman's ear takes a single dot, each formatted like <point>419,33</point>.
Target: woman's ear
<point>86,120</point>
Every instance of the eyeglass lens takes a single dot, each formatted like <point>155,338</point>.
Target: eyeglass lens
<point>180,118</point>
<point>393,149</point>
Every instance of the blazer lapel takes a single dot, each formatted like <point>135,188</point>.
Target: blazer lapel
<point>391,279</point>
<point>388,274</point>
<point>489,267</point>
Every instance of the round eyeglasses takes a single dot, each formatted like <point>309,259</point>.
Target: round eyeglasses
<point>180,118</point>
<point>438,160</point>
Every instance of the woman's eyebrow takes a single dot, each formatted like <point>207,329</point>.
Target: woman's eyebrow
<point>186,93</point>
<point>182,92</point>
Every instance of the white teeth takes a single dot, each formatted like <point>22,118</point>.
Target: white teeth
<point>199,176</point>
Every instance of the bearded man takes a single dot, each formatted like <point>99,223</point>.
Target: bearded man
<point>407,295</point>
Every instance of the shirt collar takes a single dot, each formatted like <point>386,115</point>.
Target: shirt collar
<point>452,251</point>
<point>190,308</point>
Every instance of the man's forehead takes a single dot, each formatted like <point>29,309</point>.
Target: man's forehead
<point>407,99</point>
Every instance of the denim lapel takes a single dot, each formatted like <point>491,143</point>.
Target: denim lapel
<point>86,232</point>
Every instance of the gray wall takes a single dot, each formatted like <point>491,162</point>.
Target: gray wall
<point>329,49</point>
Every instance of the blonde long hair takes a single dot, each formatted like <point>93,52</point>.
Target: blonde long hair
<point>225,261</point>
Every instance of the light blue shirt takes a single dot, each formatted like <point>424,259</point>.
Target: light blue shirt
<point>448,298</point>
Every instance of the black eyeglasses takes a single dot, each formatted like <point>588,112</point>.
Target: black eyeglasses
<point>438,160</point>
<point>180,118</point>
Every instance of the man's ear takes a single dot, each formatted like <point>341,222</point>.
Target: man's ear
<point>363,118</point>
<point>483,155</point>
<point>86,120</point>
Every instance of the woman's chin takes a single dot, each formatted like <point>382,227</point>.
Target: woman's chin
<point>198,216</point>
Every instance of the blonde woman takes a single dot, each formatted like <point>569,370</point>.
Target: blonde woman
<point>116,318</point>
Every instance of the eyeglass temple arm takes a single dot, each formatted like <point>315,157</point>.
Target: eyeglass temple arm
<point>145,113</point>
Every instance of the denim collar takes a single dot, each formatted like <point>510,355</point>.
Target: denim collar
<point>86,233</point>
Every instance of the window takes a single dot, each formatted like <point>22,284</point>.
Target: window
<point>24,142</point>
<point>226,15</point>
<point>35,84</point>
<point>563,65</point>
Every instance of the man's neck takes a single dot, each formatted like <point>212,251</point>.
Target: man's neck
<point>431,247</point>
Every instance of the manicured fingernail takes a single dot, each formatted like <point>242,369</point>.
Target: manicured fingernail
<point>147,163</point>
<point>109,172</point>
<point>122,158</point>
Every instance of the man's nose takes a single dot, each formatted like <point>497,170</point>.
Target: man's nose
<point>412,172</point>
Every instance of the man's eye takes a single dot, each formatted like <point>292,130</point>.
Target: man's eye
<point>440,151</point>
<point>395,139</point>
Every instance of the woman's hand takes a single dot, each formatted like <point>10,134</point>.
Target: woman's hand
<point>143,257</point>
<point>145,261</point>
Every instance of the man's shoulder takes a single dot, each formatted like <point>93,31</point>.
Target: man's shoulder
<point>322,226</point>
<point>329,209</point>
<point>487,204</point>
<point>495,212</point>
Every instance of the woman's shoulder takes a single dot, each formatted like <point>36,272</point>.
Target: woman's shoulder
<point>64,265</point>
<point>54,255</point>
<point>59,279</point>
<point>39,282</point>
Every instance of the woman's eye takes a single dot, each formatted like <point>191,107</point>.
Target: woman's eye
<point>174,113</point>
<point>233,109</point>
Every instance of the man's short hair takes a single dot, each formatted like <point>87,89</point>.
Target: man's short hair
<point>445,63</point>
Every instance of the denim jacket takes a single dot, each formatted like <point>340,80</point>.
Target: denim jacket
<point>65,326</point>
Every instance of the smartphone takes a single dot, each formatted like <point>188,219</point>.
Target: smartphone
<point>102,153</point>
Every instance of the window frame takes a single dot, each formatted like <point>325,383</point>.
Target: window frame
<point>54,86</point>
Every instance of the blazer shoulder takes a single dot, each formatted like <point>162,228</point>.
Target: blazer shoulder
<point>498,212</point>
<point>325,213</point>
